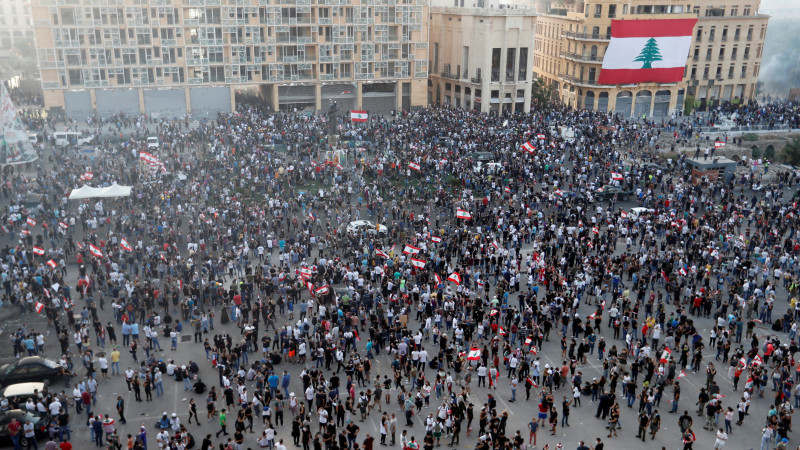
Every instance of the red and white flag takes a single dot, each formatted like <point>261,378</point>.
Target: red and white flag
<point>31,222</point>
<point>38,251</point>
<point>558,192</point>
<point>647,51</point>
<point>125,246</point>
<point>305,273</point>
<point>437,278</point>
<point>310,287</point>
<point>665,355</point>
<point>595,230</point>
<point>87,176</point>
<point>39,307</point>
<point>540,136</point>
<point>413,165</point>
<point>682,374</point>
<point>718,144</point>
<point>381,253</point>
<point>52,263</point>
<point>436,239</point>
<point>623,214</point>
<point>455,278</point>
<point>501,331</point>
<point>617,176</point>
<point>322,290</point>
<point>757,361</point>
<point>410,250</point>
<point>358,116</point>
<point>25,232</point>
<point>463,214</point>
<point>418,263</point>
<point>528,147</point>
<point>95,251</point>
<point>474,354</point>
<point>63,225</point>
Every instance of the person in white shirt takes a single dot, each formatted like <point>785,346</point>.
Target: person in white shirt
<point>722,438</point>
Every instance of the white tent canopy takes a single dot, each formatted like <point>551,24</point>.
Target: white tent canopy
<point>112,191</point>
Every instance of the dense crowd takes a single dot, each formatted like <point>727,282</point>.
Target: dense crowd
<point>499,239</point>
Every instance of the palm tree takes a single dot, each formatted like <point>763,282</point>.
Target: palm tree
<point>791,151</point>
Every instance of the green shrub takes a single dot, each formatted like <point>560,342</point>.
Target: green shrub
<point>756,152</point>
<point>749,137</point>
<point>769,153</point>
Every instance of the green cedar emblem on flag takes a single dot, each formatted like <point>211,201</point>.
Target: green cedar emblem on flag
<point>649,54</point>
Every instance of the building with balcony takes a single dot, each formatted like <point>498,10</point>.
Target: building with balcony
<point>480,55</point>
<point>723,63</point>
<point>170,57</point>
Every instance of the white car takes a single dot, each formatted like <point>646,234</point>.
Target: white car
<point>367,226</point>
<point>635,213</point>
<point>152,142</point>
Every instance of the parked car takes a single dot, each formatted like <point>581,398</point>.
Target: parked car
<point>481,156</point>
<point>40,424</point>
<point>637,212</point>
<point>574,196</point>
<point>18,394</point>
<point>152,142</point>
<point>609,191</point>
<point>367,226</point>
<point>30,368</point>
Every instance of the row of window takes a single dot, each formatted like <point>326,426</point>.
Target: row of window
<point>722,55</point>
<point>724,35</point>
<point>596,10</point>
<point>720,75</point>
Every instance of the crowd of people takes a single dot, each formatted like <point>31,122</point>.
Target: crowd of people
<point>488,237</point>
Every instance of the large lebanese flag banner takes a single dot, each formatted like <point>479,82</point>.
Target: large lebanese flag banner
<point>647,51</point>
<point>358,116</point>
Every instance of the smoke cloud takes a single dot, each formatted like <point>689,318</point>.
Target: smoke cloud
<point>780,64</point>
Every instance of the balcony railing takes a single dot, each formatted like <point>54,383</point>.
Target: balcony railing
<point>522,75</point>
<point>582,57</point>
<point>587,36</point>
<point>495,74</point>
<point>476,80</point>
<point>579,81</point>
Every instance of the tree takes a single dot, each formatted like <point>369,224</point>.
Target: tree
<point>688,105</point>
<point>649,54</point>
<point>540,92</point>
<point>791,151</point>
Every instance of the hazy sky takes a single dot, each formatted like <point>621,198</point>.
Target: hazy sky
<point>788,8</point>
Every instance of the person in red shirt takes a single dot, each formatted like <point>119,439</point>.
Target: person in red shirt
<point>13,431</point>
<point>65,446</point>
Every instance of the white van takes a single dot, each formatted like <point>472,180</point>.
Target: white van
<point>72,137</point>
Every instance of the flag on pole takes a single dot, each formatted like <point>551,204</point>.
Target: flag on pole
<point>305,273</point>
<point>718,144</point>
<point>623,214</point>
<point>617,176</point>
<point>474,354</point>
<point>437,278</point>
<point>31,222</point>
<point>463,214</point>
<point>418,263</point>
<point>125,246</point>
<point>541,136</point>
<point>381,254</point>
<point>528,147</point>
<point>410,250</point>
<point>436,239</point>
<point>757,361</point>
<point>39,307</point>
<point>414,165</point>
<point>95,251</point>
<point>455,278</point>
<point>501,331</point>
<point>52,263</point>
<point>358,116</point>
<point>647,51</point>
<point>322,290</point>
<point>63,226</point>
<point>38,250</point>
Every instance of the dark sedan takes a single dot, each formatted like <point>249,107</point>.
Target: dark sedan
<point>31,368</point>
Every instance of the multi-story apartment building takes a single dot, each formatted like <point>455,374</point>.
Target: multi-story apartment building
<point>480,55</point>
<point>170,57</point>
<point>722,65</point>
<point>15,23</point>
